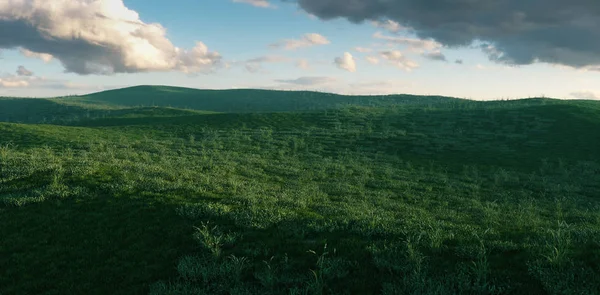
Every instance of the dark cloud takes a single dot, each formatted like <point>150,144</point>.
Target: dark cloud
<point>435,56</point>
<point>22,71</point>
<point>308,80</point>
<point>520,32</point>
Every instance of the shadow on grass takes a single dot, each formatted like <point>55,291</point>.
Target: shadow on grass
<point>103,245</point>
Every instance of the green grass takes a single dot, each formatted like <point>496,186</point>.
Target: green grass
<point>385,196</point>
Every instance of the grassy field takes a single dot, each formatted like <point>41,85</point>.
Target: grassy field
<point>157,190</point>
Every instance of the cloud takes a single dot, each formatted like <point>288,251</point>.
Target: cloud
<point>96,37</point>
<point>378,87</point>
<point>416,45</point>
<point>255,65</point>
<point>22,71</point>
<point>308,81</point>
<point>303,64</point>
<point>256,3</point>
<point>363,49</point>
<point>397,59</point>
<point>372,60</point>
<point>268,59</point>
<point>43,56</point>
<point>435,56</point>
<point>32,81</point>
<point>585,95</point>
<point>346,62</point>
<point>13,82</point>
<point>253,68</point>
<point>307,40</point>
<point>389,25</point>
<point>525,32</point>
<point>458,61</point>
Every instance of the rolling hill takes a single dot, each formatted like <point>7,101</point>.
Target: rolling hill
<point>160,190</point>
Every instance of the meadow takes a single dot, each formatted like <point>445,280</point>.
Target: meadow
<point>159,190</point>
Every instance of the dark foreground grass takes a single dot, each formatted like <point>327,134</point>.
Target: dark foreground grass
<point>480,199</point>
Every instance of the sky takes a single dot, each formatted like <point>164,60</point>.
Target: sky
<point>476,49</point>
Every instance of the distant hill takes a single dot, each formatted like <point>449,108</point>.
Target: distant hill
<point>243,100</point>
<point>164,101</point>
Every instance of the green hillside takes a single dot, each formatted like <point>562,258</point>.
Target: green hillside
<point>242,100</point>
<point>155,190</point>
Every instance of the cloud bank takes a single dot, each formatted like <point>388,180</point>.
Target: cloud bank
<point>522,32</point>
<point>96,37</point>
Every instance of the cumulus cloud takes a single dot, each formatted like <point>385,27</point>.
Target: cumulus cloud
<point>96,37</point>
<point>585,95</point>
<point>413,44</point>
<point>22,71</point>
<point>308,40</point>
<point>550,31</point>
<point>307,81</point>
<point>346,62</point>
<point>397,59</point>
<point>256,3</point>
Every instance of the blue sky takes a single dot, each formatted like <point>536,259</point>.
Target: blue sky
<point>390,59</point>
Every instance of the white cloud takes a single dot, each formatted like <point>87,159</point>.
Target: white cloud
<point>97,37</point>
<point>303,64</point>
<point>346,62</point>
<point>372,60</point>
<point>43,56</point>
<point>389,25</point>
<point>257,3</point>
<point>413,44</point>
<point>32,81</point>
<point>363,49</point>
<point>307,40</point>
<point>397,59</point>
<point>10,82</point>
